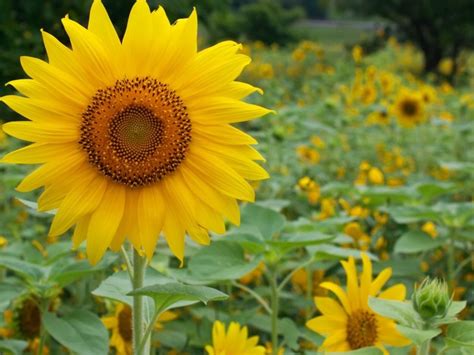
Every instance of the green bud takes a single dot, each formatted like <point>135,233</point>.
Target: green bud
<point>431,299</point>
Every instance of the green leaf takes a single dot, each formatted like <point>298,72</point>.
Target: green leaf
<point>298,240</point>
<point>73,270</point>
<point>221,260</point>
<point>429,190</point>
<point>418,336</point>
<point>415,242</point>
<point>8,292</point>
<point>11,346</point>
<point>402,312</point>
<point>34,207</point>
<point>81,332</point>
<point>461,334</point>
<point>276,205</point>
<point>166,295</point>
<point>411,214</point>
<point>171,338</point>
<point>117,286</point>
<point>23,268</point>
<point>266,220</point>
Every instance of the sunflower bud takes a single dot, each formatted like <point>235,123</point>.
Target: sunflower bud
<point>431,299</point>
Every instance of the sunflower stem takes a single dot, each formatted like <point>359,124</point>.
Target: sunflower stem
<point>424,348</point>
<point>138,313</point>
<point>274,306</point>
<point>44,305</point>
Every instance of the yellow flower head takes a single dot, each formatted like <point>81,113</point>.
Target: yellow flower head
<point>409,108</point>
<point>430,229</point>
<point>357,53</point>
<point>134,135</point>
<point>121,326</point>
<point>3,241</point>
<point>348,323</point>
<point>376,176</point>
<point>234,341</point>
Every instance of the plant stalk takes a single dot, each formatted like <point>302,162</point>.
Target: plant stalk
<point>424,349</point>
<point>138,311</point>
<point>274,315</point>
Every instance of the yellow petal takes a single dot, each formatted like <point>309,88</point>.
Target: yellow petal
<point>104,222</point>
<point>52,171</point>
<point>90,53</point>
<point>151,212</point>
<point>80,232</point>
<point>339,292</point>
<point>329,307</point>
<point>352,282</point>
<point>61,83</point>
<point>223,133</point>
<point>325,325</point>
<point>217,110</point>
<point>102,27</point>
<point>380,281</point>
<point>395,292</point>
<point>37,153</point>
<point>41,132</point>
<point>207,194</point>
<point>80,201</point>
<point>137,41</point>
<point>223,177</point>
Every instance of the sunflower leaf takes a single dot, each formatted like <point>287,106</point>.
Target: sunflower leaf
<point>168,294</point>
<point>418,336</point>
<point>402,312</point>
<point>15,347</point>
<point>81,332</point>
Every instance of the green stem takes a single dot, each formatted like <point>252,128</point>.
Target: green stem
<point>44,305</point>
<point>255,295</point>
<point>309,291</point>
<point>274,306</point>
<point>138,312</point>
<point>126,258</point>
<point>424,349</point>
<point>451,262</point>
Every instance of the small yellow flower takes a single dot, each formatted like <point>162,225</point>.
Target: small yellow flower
<point>3,241</point>
<point>446,116</point>
<point>254,276</point>
<point>327,208</point>
<point>376,176</point>
<point>430,229</point>
<point>409,108</point>
<point>234,341</point>
<point>318,142</point>
<point>308,155</point>
<point>368,94</point>
<point>349,323</point>
<point>359,211</point>
<point>446,66</point>
<point>357,53</point>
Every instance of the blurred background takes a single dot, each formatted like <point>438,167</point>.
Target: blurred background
<point>439,29</point>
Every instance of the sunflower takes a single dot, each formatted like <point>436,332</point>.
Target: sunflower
<point>234,341</point>
<point>409,108</point>
<point>350,324</point>
<point>121,325</point>
<point>135,136</point>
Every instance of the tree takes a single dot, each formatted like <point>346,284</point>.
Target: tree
<point>439,28</point>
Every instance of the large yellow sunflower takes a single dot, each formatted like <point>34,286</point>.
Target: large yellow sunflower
<point>233,342</point>
<point>409,108</point>
<point>350,324</point>
<point>135,136</point>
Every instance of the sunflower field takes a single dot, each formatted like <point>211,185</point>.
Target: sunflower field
<point>169,191</point>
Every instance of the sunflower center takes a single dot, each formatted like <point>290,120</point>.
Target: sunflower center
<point>361,329</point>
<point>136,132</point>
<point>409,107</point>
<point>29,319</point>
<point>125,324</point>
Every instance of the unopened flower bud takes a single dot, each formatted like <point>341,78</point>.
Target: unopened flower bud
<point>431,299</point>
